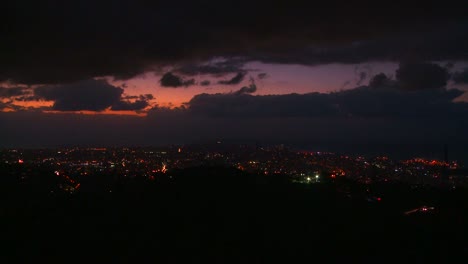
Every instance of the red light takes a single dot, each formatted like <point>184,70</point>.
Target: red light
<point>20,161</point>
<point>379,199</point>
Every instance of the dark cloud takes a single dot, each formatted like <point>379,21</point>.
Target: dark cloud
<point>141,97</point>
<point>414,76</point>
<point>130,97</point>
<point>421,76</point>
<point>262,75</point>
<point>238,78</point>
<point>360,102</point>
<point>381,81</point>
<point>432,43</point>
<point>27,98</point>
<point>56,42</point>
<point>93,95</point>
<point>252,88</point>
<point>174,81</point>
<point>13,91</point>
<point>130,106</point>
<point>216,68</point>
<point>248,106</point>
<point>461,77</point>
<point>205,83</point>
<point>141,102</point>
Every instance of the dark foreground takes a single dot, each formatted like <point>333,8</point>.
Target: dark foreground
<point>222,215</point>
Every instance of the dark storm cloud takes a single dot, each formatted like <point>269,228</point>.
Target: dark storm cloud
<point>13,91</point>
<point>174,81</point>
<point>461,77</point>
<point>421,76</point>
<point>432,43</point>
<point>238,78</point>
<point>93,95</point>
<point>56,42</point>
<point>359,102</point>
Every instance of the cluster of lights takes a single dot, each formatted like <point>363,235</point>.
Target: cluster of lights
<point>426,162</point>
<point>309,179</point>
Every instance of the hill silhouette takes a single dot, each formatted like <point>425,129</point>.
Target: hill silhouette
<point>221,214</point>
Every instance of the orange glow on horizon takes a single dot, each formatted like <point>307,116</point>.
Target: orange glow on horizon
<point>105,112</point>
<point>43,105</point>
<point>33,104</point>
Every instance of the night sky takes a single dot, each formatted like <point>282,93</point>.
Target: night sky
<point>362,76</point>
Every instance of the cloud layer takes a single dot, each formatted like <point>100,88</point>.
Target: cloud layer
<point>92,95</point>
<point>174,81</point>
<point>361,102</point>
<point>54,42</point>
<point>422,76</point>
